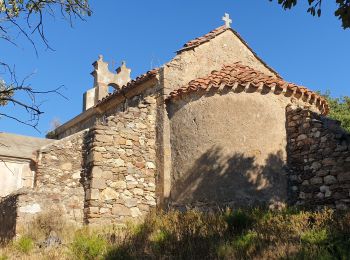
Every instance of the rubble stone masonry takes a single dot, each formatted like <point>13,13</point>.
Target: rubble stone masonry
<point>58,188</point>
<point>122,161</point>
<point>319,160</point>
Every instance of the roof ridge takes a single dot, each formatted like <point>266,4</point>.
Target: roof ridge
<point>217,31</point>
<point>237,73</point>
<point>201,39</point>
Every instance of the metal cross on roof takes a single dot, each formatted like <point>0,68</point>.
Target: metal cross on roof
<point>227,20</point>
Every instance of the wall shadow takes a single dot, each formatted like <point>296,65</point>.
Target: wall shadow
<point>236,180</point>
<point>8,217</point>
<point>85,174</point>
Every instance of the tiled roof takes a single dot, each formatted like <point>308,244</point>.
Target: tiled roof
<point>212,34</point>
<point>189,45</point>
<point>239,74</point>
<point>207,37</point>
<point>133,83</point>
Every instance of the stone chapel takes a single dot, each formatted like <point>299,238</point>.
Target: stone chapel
<point>213,127</point>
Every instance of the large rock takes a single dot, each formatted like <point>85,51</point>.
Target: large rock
<point>104,138</point>
<point>316,166</point>
<point>97,172</point>
<point>109,194</point>
<point>130,202</point>
<point>120,210</point>
<point>138,191</point>
<point>329,179</point>
<point>135,212</point>
<point>66,166</point>
<point>316,180</point>
<point>98,183</point>
<point>118,184</point>
<point>344,176</point>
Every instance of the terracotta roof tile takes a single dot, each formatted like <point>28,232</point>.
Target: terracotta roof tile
<point>133,83</point>
<point>197,41</point>
<point>212,34</point>
<point>243,75</point>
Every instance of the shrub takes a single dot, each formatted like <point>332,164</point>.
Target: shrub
<point>230,234</point>
<point>238,220</point>
<point>315,237</point>
<point>246,241</point>
<point>88,246</point>
<point>24,244</point>
<point>242,247</point>
<point>159,236</point>
<point>47,222</point>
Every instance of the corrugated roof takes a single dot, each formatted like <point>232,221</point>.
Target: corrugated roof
<point>240,74</point>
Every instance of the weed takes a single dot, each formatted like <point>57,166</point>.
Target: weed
<point>315,237</point>
<point>88,246</point>
<point>246,241</point>
<point>24,244</point>
<point>238,220</point>
<point>45,223</point>
<point>230,234</point>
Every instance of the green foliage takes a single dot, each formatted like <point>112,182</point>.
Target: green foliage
<point>88,246</point>
<point>315,237</point>
<point>342,11</point>
<point>246,244</point>
<point>339,109</point>
<point>24,244</point>
<point>319,253</point>
<point>235,234</point>
<point>231,234</point>
<point>3,257</point>
<point>238,220</point>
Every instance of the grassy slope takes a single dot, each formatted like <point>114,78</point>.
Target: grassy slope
<point>248,234</point>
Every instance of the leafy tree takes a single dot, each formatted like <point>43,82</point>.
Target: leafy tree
<point>339,109</point>
<point>26,18</point>
<point>342,11</point>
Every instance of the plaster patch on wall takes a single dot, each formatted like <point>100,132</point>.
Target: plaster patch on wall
<point>31,209</point>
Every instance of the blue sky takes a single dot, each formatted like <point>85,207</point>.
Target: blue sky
<point>305,50</point>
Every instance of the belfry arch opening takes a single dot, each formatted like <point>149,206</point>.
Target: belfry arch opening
<point>112,87</point>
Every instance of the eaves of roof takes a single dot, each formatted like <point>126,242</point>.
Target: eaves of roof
<point>231,76</point>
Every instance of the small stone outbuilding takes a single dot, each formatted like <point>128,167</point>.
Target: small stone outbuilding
<point>213,127</point>
<point>17,161</point>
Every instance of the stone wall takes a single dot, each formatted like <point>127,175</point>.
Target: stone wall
<point>103,175</point>
<point>59,174</point>
<point>122,160</point>
<point>73,128</point>
<point>59,187</point>
<point>319,160</point>
<point>228,150</point>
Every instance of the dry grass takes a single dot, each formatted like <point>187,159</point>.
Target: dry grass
<point>240,234</point>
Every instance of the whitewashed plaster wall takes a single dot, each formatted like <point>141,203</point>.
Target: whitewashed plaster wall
<point>14,175</point>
